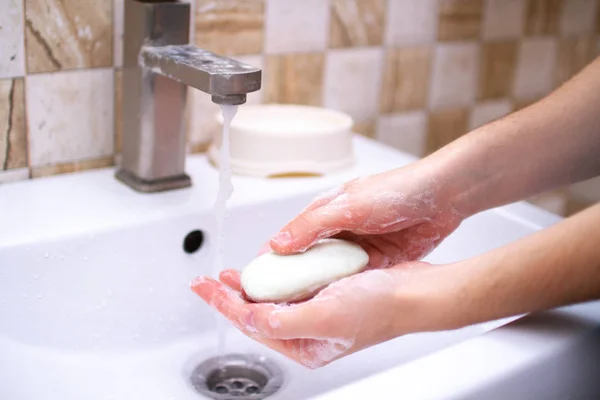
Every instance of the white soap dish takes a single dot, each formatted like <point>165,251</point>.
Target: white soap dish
<point>276,139</point>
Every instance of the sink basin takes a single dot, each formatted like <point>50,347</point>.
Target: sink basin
<point>94,282</point>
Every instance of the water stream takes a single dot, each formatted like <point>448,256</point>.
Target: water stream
<point>220,212</point>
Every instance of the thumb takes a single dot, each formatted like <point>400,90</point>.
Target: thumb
<point>310,226</point>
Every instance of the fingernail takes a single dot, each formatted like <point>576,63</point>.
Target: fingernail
<point>283,239</point>
<point>199,281</point>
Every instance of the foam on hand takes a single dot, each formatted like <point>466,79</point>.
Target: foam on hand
<point>275,278</point>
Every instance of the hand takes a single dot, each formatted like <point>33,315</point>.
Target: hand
<point>397,216</point>
<point>347,316</point>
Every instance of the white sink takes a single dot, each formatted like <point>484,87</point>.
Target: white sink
<point>94,293</point>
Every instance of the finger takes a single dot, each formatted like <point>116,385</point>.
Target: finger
<point>231,278</point>
<point>228,302</point>
<point>323,198</point>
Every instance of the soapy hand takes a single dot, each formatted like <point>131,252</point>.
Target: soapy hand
<point>396,216</point>
<point>349,315</point>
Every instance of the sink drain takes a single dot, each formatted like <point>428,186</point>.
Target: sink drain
<point>237,376</point>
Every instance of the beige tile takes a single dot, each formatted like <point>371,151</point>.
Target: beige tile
<point>406,77</point>
<point>69,122</point>
<point>13,175</point>
<point>578,16</point>
<point>353,81</point>
<point>118,16</point>
<point>534,76</point>
<point>445,126</point>
<point>503,19</point>
<point>406,132</point>
<point>489,111</point>
<point>497,69</point>
<point>365,128</point>
<point>542,17</point>
<point>229,27</point>
<point>76,166</point>
<point>455,72</point>
<point>13,132</point>
<point>68,34</point>
<point>12,62</point>
<point>574,53</point>
<point>411,22</point>
<point>294,78</point>
<point>297,26</point>
<point>460,19</point>
<point>357,23</point>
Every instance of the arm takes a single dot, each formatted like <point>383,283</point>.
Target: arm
<point>554,267</point>
<point>552,143</point>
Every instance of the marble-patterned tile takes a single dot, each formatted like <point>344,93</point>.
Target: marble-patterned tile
<point>353,81</point>
<point>13,131</point>
<point>411,22</point>
<point>70,122</point>
<point>445,126</point>
<point>357,23</point>
<point>230,27</point>
<point>542,17</point>
<point>497,69</point>
<point>12,62</point>
<point>503,19</point>
<point>578,17</point>
<point>365,128</point>
<point>460,19</point>
<point>297,26</point>
<point>118,30</point>
<point>13,175</point>
<point>75,166</point>
<point>574,53</point>
<point>406,131</point>
<point>406,78</point>
<point>68,34</point>
<point>455,75</point>
<point>295,78</point>
<point>488,111</point>
<point>534,76</point>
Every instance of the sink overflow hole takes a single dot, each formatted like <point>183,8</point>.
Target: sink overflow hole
<point>237,376</point>
<point>193,241</point>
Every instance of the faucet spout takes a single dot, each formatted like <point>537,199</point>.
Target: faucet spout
<point>226,80</point>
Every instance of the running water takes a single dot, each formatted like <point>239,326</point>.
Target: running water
<point>220,211</point>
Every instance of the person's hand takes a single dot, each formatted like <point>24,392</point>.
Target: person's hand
<point>396,216</point>
<point>349,315</point>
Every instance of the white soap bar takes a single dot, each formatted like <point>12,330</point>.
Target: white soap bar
<point>277,279</point>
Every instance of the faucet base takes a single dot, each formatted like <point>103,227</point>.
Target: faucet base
<point>158,185</point>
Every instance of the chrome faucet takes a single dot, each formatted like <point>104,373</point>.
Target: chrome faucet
<point>158,65</point>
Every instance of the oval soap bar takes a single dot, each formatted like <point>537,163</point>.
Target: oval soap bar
<point>275,278</point>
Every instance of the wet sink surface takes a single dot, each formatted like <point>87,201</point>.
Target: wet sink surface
<point>110,314</point>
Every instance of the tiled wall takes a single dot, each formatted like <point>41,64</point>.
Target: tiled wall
<point>414,74</point>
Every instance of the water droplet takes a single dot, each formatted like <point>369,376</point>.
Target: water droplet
<point>109,293</point>
<point>39,296</point>
<point>151,289</point>
<point>85,258</point>
<point>24,295</point>
<point>46,255</point>
<point>36,276</point>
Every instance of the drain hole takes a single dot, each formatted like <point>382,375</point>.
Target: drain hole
<point>240,376</point>
<point>193,241</point>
